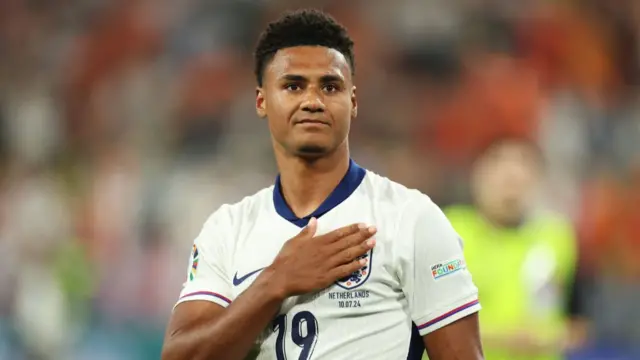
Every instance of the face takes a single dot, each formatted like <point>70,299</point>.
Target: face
<point>309,100</point>
<point>505,179</point>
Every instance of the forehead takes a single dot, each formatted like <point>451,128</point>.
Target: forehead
<point>512,152</point>
<point>511,149</point>
<point>310,61</point>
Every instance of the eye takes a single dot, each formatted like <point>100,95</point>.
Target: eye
<point>292,87</point>
<point>331,88</point>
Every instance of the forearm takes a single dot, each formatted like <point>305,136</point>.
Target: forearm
<point>231,335</point>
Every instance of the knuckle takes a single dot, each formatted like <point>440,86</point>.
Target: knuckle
<point>353,242</point>
<point>344,271</point>
<point>354,266</point>
<point>348,256</point>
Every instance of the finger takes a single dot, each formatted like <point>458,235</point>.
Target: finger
<point>347,269</point>
<point>342,232</point>
<point>353,239</point>
<point>310,229</point>
<point>350,254</point>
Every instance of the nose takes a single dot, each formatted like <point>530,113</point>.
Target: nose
<point>312,103</point>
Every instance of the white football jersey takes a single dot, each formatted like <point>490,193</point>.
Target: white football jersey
<point>415,279</point>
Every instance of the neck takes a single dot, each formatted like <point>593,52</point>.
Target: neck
<point>503,222</point>
<point>306,184</point>
<point>514,223</point>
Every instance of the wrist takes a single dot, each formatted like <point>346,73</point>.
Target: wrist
<point>273,285</point>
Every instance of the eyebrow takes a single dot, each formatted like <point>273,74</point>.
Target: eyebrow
<point>323,78</point>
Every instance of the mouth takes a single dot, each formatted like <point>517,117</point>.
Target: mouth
<point>311,122</point>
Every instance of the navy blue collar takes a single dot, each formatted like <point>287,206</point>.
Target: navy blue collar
<point>345,188</point>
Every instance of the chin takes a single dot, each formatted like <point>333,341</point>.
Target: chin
<point>312,151</point>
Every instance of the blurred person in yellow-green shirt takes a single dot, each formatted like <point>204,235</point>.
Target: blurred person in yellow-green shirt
<point>523,262</point>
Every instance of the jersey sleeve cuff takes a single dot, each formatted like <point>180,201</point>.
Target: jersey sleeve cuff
<point>205,295</point>
<point>456,312</point>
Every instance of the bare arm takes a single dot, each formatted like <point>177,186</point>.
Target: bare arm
<point>204,330</point>
<point>459,340</point>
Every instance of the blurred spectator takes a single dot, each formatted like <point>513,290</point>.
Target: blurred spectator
<point>522,261</point>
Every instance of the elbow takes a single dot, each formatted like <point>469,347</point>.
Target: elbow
<point>169,351</point>
<point>172,352</point>
<point>175,349</point>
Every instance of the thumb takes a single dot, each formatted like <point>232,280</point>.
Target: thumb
<point>310,229</point>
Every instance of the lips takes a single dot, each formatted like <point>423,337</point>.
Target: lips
<point>311,121</point>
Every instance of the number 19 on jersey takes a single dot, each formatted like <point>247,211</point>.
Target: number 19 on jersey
<point>304,333</point>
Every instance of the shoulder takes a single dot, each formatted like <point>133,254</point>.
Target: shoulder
<point>460,210</point>
<point>460,213</point>
<point>555,229</point>
<point>411,205</point>
<point>552,220</point>
<point>230,216</point>
<point>384,190</point>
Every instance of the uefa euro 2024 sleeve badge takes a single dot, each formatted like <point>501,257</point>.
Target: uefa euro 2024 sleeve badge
<point>194,263</point>
<point>359,277</point>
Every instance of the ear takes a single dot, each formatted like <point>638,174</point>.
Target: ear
<point>354,103</point>
<point>261,103</point>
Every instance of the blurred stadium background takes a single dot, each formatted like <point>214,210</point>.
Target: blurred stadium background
<point>125,123</point>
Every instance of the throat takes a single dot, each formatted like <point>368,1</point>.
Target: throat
<point>307,209</point>
<point>508,223</point>
<point>304,195</point>
<point>304,192</point>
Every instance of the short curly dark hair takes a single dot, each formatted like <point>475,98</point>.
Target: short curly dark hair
<point>300,28</point>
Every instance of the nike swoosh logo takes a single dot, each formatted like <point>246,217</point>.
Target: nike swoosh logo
<point>239,280</point>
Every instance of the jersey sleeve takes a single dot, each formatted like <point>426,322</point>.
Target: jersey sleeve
<point>207,276</point>
<point>433,271</point>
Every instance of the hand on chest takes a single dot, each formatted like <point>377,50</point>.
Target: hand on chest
<point>261,246</point>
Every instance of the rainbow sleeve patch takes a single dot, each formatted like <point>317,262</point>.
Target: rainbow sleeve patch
<point>447,268</point>
<point>194,263</point>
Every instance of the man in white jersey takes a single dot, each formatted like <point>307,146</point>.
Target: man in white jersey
<point>333,261</point>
